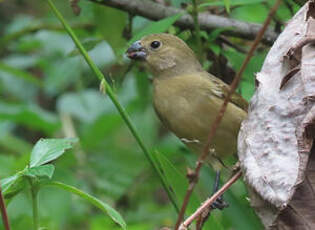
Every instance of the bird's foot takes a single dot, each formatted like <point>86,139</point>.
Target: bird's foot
<point>219,203</point>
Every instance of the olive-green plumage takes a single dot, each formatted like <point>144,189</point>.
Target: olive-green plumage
<point>187,99</point>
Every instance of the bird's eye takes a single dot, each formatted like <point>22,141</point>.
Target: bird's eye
<point>155,44</point>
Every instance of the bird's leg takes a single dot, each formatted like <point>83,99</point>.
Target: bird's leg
<point>219,203</point>
<point>216,182</point>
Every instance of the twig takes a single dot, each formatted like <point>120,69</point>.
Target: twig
<point>4,214</point>
<point>201,220</point>
<point>209,201</point>
<point>218,119</point>
<point>276,19</point>
<point>231,44</point>
<point>208,22</point>
<point>198,222</point>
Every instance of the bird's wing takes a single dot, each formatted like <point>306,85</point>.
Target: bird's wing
<point>221,89</point>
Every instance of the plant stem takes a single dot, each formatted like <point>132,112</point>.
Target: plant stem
<point>34,194</point>
<point>109,91</point>
<point>197,29</point>
<point>210,201</point>
<point>4,214</point>
<point>21,74</point>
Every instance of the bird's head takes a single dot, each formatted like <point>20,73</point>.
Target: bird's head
<point>165,54</point>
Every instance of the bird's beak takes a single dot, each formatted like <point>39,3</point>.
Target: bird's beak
<point>136,51</point>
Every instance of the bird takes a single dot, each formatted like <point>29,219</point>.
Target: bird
<point>187,98</point>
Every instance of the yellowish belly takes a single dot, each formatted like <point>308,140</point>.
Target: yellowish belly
<point>189,112</point>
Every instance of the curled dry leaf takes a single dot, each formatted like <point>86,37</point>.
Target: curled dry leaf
<point>275,141</point>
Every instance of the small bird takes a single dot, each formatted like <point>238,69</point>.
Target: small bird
<point>187,99</point>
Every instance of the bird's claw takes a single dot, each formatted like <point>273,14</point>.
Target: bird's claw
<point>219,203</point>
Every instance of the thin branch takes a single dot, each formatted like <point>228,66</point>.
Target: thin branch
<point>210,201</point>
<point>219,117</point>
<point>22,74</point>
<point>202,218</point>
<point>155,11</point>
<point>226,41</point>
<point>4,214</point>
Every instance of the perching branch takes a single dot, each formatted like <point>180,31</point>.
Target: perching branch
<point>219,117</point>
<point>155,11</point>
<point>210,201</point>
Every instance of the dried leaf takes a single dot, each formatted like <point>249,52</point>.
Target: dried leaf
<point>276,139</point>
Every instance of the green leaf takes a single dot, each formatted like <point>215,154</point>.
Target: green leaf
<point>156,27</point>
<point>94,201</point>
<point>21,74</point>
<point>12,185</point>
<point>247,84</point>
<point>178,3</point>
<point>59,76</point>
<point>43,171</point>
<point>104,18</point>
<point>215,48</point>
<point>250,13</point>
<point>247,89</point>
<point>227,5</point>
<point>215,34</point>
<point>14,143</point>
<point>46,150</point>
<point>87,105</point>
<point>29,115</point>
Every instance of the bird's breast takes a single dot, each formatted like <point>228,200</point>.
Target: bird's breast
<point>180,106</point>
<point>188,108</point>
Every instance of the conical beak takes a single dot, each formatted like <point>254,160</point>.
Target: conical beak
<point>136,51</point>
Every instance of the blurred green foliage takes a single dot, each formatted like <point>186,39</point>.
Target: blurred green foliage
<point>48,91</point>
